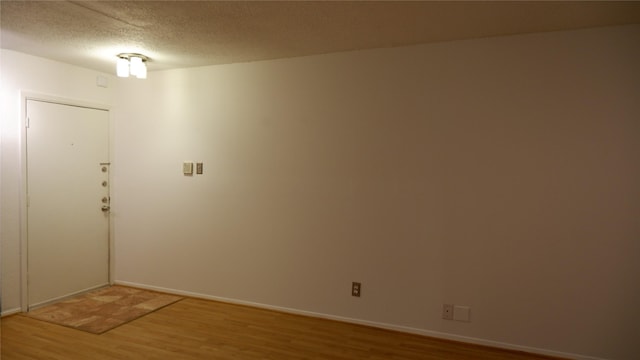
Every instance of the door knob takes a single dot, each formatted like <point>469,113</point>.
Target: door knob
<point>106,208</point>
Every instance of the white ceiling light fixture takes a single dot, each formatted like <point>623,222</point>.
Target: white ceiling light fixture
<point>132,64</point>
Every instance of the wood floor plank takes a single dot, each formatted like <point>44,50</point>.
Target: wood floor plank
<point>202,329</point>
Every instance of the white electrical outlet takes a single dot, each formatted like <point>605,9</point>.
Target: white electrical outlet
<point>447,311</point>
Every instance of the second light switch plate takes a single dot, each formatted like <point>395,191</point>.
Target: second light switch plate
<point>187,168</point>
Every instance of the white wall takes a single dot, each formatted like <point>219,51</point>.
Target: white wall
<point>497,173</point>
<point>20,72</point>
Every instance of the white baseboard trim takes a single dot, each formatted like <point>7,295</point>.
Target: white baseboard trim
<point>64,297</point>
<point>44,303</point>
<point>405,329</point>
<point>10,312</point>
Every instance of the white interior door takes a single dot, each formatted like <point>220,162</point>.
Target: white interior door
<point>68,200</point>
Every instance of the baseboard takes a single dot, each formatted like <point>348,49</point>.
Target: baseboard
<point>66,296</point>
<point>10,312</point>
<point>410,330</point>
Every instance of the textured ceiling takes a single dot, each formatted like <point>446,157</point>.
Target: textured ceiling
<point>176,34</point>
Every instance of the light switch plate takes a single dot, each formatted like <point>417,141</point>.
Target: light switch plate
<point>187,168</point>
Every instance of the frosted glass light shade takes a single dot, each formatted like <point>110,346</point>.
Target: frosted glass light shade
<point>131,64</point>
<point>135,65</point>
<point>142,71</point>
<point>122,67</point>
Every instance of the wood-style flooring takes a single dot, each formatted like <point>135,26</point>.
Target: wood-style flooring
<point>202,329</point>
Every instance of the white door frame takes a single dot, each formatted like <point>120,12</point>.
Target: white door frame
<point>24,96</point>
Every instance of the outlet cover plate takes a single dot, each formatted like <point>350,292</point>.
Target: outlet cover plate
<point>447,311</point>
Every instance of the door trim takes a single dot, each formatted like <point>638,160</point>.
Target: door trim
<point>24,97</point>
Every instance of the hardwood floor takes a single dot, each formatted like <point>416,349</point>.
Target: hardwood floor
<point>202,329</point>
